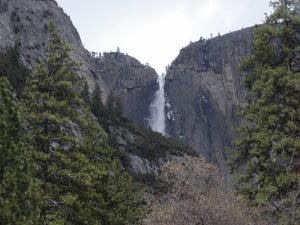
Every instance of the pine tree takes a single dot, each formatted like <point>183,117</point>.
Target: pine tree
<point>118,107</point>
<point>75,164</point>
<point>12,68</point>
<point>114,106</point>
<point>18,188</point>
<point>85,94</point>
<point>110,104</point>
<point>97,106</point>
<point>270,139</point>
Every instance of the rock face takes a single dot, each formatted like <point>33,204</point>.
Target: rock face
<point>203,84</point>
<point>130,81</point>
<point>204,89</point>
<point>26,22</point>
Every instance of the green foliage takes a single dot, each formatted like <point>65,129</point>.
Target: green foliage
<point>18,188</point>
<point>270,141</point>
<point>147,144</point>
<point>85,94</point>
<point>97,106</point>
<point>108,113</point>
<point>114,106</point>
<point>141,141</point>
<point>123,207</point>
<point>153,145</point>
<point>80,182</point>
<point>12,68</point>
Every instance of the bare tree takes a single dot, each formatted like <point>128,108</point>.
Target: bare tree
<point>197,196</point>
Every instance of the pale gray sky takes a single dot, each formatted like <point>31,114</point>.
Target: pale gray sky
<point>153,31</point>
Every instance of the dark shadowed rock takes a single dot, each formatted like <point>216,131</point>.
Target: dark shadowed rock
<point>130,81</point>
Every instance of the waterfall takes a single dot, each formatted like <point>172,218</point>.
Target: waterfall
<point>157,108</point>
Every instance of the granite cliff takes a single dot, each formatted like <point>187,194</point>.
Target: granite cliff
<point>142,151</point>
<point>26,22</point>
<point>131,82</point>
<point>205,89</point>
<point>203,84</point>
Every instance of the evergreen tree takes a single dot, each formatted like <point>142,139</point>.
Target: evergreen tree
<point>85,94</point>
<point>75,164</point>
<point>269,145</point>
<point>12,68</point>
<point>118,107</point>
<point>97,106</point>
<point>18,189</point>
<point>110,104</point>
<point>114,106</point>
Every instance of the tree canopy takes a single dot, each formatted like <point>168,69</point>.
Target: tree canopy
<point>19,197</point>
<point>62,171</point>
<point>269,142</point>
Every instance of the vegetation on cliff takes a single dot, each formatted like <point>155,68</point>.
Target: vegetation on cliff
<point>69,176</point>
<point>147,144</point>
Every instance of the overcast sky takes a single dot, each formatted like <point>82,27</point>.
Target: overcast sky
<point>153,31</point>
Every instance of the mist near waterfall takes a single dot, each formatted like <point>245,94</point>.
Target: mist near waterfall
<point>157,108</point>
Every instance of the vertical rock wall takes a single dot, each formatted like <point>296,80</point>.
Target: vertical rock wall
<point>130,81</point>
<point>205,89</point>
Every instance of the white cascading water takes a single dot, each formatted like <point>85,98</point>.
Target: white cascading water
<point>157,108</point>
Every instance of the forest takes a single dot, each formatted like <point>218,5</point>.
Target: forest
<point>70,156</point>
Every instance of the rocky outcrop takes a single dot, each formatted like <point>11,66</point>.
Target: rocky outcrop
<point>205,89</point>
<point>131,82</point>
